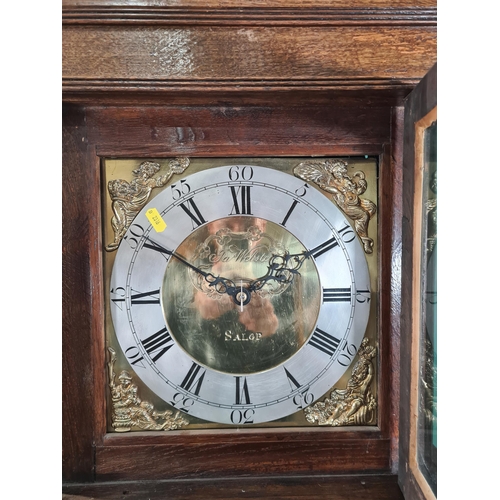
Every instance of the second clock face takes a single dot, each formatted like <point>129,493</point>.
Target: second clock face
<point>240,294</point>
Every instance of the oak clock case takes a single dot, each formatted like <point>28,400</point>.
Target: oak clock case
<point>240,294</point>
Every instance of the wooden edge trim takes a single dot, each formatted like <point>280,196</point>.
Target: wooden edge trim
<point>420,127</point>
<point>309,486</point>
<point>78,84</point>
<point>97,303</point>
<point>258,16</point>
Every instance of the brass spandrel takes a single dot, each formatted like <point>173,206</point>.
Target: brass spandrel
<point>130,412</point>
<point>332,177</point>
<point>354,405</point>
<point>129,197</point>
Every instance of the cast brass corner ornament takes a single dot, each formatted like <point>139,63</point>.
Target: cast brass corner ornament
<point>128,198</point>
<point>332,176</point>
<point>431,210</point>
<point>130,411</point>
<point>354,405</point>
<point>428,400</point>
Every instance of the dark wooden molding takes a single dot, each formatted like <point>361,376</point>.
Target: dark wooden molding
<point>253,4</point>
<point>261,454</point>
<point>246,130</point>
<point>78,402</point>
<point>247,16</point>
<point>119,53</point>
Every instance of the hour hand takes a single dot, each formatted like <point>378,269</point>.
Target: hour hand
<point>281,269</point>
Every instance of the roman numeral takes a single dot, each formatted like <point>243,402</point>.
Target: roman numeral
<point>159,343</point>
<point>324,341</point>
<point>156,247</point>
<point>337,294</point>
<point>242,201</point>
<point>290,210</point>
<point>242,391</point>
<point>140,298</point>
<point>193,379</point>
<point>193,212</point>
<point>291,380</point>
<point>324,247</point>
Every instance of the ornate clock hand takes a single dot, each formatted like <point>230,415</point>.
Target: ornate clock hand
<point>284,268</point>
<point>156,246</point>
<point>279,270</point>
<point>240,296</point>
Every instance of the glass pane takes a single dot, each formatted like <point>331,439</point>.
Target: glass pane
<point>427,418</point>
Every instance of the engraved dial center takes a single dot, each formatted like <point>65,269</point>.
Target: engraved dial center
<point>249,320</point>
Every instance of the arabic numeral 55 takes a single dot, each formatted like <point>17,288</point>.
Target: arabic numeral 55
<point>180,190</point>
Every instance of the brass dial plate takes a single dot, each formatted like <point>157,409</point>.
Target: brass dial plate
<point>312,278</point>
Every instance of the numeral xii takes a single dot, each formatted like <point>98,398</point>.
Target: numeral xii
<point>242,201</point>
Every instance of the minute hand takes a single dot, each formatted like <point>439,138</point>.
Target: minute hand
<point>221,285</point>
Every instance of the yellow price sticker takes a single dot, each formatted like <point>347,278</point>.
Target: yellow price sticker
<point>157,222</point>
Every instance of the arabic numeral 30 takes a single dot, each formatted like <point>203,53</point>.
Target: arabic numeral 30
<point>242,416</point>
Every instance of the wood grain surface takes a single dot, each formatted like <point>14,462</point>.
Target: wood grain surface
<point>262,454</point>
<point>238,130</point>
<point>152,51</point>
<point>214,54</point>
<point>318,487</point>
<point>209,4</point>
<point>82,400</point>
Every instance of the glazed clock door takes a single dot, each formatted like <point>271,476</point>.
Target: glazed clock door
<point>418,417</point>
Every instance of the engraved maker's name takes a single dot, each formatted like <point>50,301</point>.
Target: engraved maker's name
<point>259,254</point>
